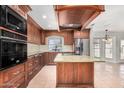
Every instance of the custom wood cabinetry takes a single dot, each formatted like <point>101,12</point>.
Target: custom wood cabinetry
<point>21,9</point>
<point>75,74</point>
<point>42,37</point>
<point>49,57</point>
<point>34,32</point>
<point>13,77</point>
<point>33,65</point>
<point>85,34</point>
<point>19,76</point>
<point>67,35</point>
<point>68,38</point>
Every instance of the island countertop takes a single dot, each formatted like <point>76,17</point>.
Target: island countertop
<point>75,58</point>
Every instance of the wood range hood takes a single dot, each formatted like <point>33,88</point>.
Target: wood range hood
<point>76,17</point>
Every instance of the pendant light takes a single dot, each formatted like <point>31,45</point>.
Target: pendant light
<point>107,38</point>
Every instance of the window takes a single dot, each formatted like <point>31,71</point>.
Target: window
<point>55,44</point>
<point>122,49</point>
<point>97,47</point>
<point>108,49</point>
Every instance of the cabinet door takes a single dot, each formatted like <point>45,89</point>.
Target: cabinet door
<point>13,72</point>
<point>34,33</point>
<point>77,34</point>
<point>67,73</point>
<point>83,73</point>
<point>82,34</point>
<point>42,37</point>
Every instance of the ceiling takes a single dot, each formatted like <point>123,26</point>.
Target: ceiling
<point>112,19</point>
<point>45,16</point>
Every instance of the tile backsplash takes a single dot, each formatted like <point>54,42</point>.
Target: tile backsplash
<point>34,48</point>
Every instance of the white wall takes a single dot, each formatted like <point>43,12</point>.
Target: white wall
<point>117,36</point>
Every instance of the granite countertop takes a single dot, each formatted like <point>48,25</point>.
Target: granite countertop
<point>75,58</point>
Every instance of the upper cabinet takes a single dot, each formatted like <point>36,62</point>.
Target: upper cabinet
<point>67,35</point>
<point>42,36</point>
<point>34,31</point>
<point>21,9</point>
<point>76,17</point>
<point>85,34</point>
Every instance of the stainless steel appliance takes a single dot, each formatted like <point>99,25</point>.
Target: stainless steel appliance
<point>81,46</point>
<point>12,20</point>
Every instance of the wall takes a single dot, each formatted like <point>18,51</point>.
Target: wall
<point>117,36</point>
<point>67,40</point>
<point>34,48</point>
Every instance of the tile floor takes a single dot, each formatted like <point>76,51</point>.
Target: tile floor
<point>106,75</point>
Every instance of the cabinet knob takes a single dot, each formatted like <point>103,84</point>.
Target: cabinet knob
<point>16,73</point>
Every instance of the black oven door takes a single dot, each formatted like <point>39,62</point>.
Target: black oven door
<point>13,52</point>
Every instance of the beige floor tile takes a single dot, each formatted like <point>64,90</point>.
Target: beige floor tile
<point>106,75</point>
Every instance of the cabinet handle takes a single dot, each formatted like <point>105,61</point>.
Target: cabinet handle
<point>16,86</point>
<point>30,64</point>
<point>30,73</point>
<point>16,73</point>
<point>36,61</point>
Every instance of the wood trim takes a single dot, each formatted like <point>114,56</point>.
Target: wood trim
<point>31,20</point>
<point>70,7</point>
<point>12,31</point>
<point>90,20</point>
<point>26,8</point>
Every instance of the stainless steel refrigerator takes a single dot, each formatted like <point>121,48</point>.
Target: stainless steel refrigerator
<point>82,46</point>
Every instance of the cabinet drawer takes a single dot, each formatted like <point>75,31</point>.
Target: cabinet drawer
<point>11,73</point>
<point>19,82</point>
<point>30,65</point>
<point>30,75</point>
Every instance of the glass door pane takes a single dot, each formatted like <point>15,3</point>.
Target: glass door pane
<point>108,49</point>
<point>122,49</point>
<point>97,47</point>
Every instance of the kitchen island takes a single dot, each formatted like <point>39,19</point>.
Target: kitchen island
<point>74,71</point>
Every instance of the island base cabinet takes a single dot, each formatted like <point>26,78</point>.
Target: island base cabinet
<point>75,74</point>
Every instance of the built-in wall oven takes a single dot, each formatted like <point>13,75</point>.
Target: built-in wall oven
<point>13,38</point>
<point>12,52</point>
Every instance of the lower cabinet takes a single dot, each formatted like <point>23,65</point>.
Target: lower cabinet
<point>33,66</point>
<point>13,77</point>
<point>20,75</point>
<point>49,57</point>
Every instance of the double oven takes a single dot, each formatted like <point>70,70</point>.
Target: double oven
<point>13,38</point>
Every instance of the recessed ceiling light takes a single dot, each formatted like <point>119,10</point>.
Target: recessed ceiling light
<point>44,16</point>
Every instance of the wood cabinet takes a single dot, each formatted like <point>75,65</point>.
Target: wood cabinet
<point>85,34</point>
<point>49,57</point>
<point>13,77</point>
<point>42,37</point>
<point>21,9</point>
<point>75,74</point>
<point>19,76</point>
<point>34,65</point>
<point>68,38</point>
<point>67,35</point>
<point>34,32</point>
